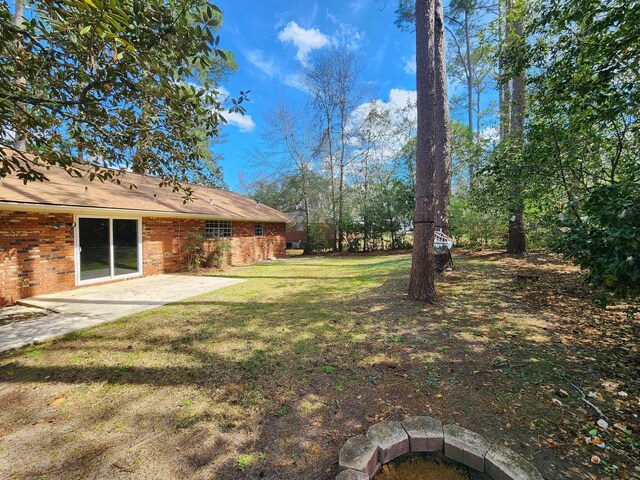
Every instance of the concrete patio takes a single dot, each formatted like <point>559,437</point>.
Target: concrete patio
<point>89,306</point>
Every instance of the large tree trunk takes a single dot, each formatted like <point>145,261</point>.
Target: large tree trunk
<point>422,281</point>
<point>443,137</point>
<point>516,243</point>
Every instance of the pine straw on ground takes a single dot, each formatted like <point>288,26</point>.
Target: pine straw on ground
<point>268,378</point>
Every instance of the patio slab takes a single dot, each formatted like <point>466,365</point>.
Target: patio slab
<point>90,306</point>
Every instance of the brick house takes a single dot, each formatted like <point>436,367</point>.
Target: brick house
<point>70,232</point>
<point>297,237</point>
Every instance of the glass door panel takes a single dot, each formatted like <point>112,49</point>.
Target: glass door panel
<point>93,238</point>
<point>125,247</point>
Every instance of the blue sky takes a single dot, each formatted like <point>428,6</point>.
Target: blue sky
<point>271,41</point>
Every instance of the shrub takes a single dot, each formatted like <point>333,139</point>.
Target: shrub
<point>604,238</point>
<point>355,245</point>
<point>205,253</point>
<point>473,226</point>
<point>317,238</point>
<point>195,251</point>
<point>216,253</point>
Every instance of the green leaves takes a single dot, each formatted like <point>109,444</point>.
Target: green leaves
<point>97,79</point>
<point>604,240</point>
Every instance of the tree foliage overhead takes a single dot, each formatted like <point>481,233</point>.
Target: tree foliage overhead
<point>124,84</point>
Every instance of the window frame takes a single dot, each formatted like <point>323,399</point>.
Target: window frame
<point>218,230</point>
<point>111,276</point>
<point>255,229</point>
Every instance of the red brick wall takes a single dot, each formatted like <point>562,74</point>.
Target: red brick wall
<point>295,235</point>
<point>164,242</point>
<point>247,248</point>
<point>34,258</point>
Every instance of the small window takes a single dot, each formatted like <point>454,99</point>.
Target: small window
<point>259,229</point>
<point>217,228</point>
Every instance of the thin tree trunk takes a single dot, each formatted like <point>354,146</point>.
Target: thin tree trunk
<point>478,116</point>
<point>516,243</point>
<point>18,20</point>
<point>443,137</point>
<point>307,220</point>
<point>472,167</point>
<point>343,121</point>
<point>333,179</point>
<point>340,209</point>
<point>422,281</point>
<point>366,204</point>
<point>505,89</point>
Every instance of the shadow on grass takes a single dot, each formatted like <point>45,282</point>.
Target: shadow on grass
<point>284,368</point>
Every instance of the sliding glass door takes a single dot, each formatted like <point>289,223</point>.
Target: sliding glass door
<point>125,246</point>
<point>107,248</point>
<point>93,237</point>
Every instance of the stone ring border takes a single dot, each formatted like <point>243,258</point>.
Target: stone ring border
<point>362,456</point>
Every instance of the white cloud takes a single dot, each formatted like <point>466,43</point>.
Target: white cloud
<point>223,93</point>
<point>244,122</point>
<point>398,100</point>
<point>490,134</point>
<point>346,35</point>
<point>294,80</point>
<point>400,133</point>
<point>410,65</point>
<point>258,60</point>
<point>356,5</point>
<point>304,39</point>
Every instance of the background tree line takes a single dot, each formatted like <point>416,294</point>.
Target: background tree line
<point>544,152</point>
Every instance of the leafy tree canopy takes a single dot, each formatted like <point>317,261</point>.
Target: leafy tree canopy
<point>125,84</point>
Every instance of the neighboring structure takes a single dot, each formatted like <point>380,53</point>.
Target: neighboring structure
<point>295,230</point>
<point>297,237</point>
<point>69,232</point>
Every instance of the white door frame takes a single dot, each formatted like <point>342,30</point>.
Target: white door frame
<point>111,275</point>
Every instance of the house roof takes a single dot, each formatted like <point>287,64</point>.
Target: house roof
<point>66,193</point>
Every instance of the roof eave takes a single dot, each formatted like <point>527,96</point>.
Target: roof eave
<point>83,210</point>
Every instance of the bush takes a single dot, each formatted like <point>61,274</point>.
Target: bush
<point>605,238</point>
<point>355,245</point>
<point>317,238</point>
<point>216,253</point>
<point>205,253</point>
<point>473,226</point>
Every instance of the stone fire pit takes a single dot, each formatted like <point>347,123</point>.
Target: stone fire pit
<point>362,456</point>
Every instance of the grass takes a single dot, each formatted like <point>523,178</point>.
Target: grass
<point>270,376</point>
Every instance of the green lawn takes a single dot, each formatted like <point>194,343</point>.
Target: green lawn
<point>271,376</point>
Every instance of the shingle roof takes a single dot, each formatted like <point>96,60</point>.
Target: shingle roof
<point>63,190</point>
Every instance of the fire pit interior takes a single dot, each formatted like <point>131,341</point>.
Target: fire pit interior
<point>421,448</point>
<point>421,468</point>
